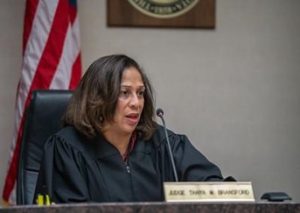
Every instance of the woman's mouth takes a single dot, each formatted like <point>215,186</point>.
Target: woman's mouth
<point>132,118</point>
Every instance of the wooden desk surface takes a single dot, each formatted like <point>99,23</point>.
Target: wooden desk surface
<point>157,207</point>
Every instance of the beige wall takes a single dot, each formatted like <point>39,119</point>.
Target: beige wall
<point>234,90</point>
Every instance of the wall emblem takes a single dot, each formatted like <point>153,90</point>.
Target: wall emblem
<point>163,8</point>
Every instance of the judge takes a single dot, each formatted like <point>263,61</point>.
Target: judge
<point>111,149</point>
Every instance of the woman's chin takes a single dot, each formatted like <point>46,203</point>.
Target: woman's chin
<point>129,129</point>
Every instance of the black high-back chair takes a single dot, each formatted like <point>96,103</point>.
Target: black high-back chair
<point>43,118</point>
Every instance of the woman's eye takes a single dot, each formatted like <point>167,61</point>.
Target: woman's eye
<point>127,93</point>
<point>141,93</point>
<point>124,93</point>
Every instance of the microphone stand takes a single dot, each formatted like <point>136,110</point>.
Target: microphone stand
<point>159,113</point>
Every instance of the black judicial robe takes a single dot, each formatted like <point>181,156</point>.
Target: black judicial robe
<point>77,169</point>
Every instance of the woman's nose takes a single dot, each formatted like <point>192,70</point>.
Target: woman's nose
<point>134,100</point>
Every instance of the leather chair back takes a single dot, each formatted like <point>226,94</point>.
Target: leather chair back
<point>43,118</point>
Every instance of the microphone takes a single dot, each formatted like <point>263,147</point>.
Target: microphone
<point>160,113</point>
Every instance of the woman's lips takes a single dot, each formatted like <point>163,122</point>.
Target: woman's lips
<point>133,118</point>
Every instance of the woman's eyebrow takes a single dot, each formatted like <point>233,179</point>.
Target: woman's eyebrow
<point>130,86</point>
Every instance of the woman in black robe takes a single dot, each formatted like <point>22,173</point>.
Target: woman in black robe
<point>111,149</point>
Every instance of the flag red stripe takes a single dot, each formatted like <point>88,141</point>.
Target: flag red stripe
<point>45,68</point>
<point>76,73</point>
<point>41,80</point>
<point>53,49</point>
<point>30,11</point>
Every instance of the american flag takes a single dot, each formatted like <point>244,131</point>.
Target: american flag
<point>51,60</point>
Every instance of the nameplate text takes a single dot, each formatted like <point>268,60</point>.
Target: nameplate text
<point>208,191</point>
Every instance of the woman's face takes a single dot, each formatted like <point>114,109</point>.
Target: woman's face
<point>130,103</point>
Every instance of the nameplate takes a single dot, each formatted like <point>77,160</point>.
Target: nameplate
<point>208,192</point>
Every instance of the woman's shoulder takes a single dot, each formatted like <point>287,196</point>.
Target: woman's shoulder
<point>69,136</point>
<point>159,135</point>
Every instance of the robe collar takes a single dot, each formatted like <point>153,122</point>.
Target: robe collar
<point>105,149</point>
